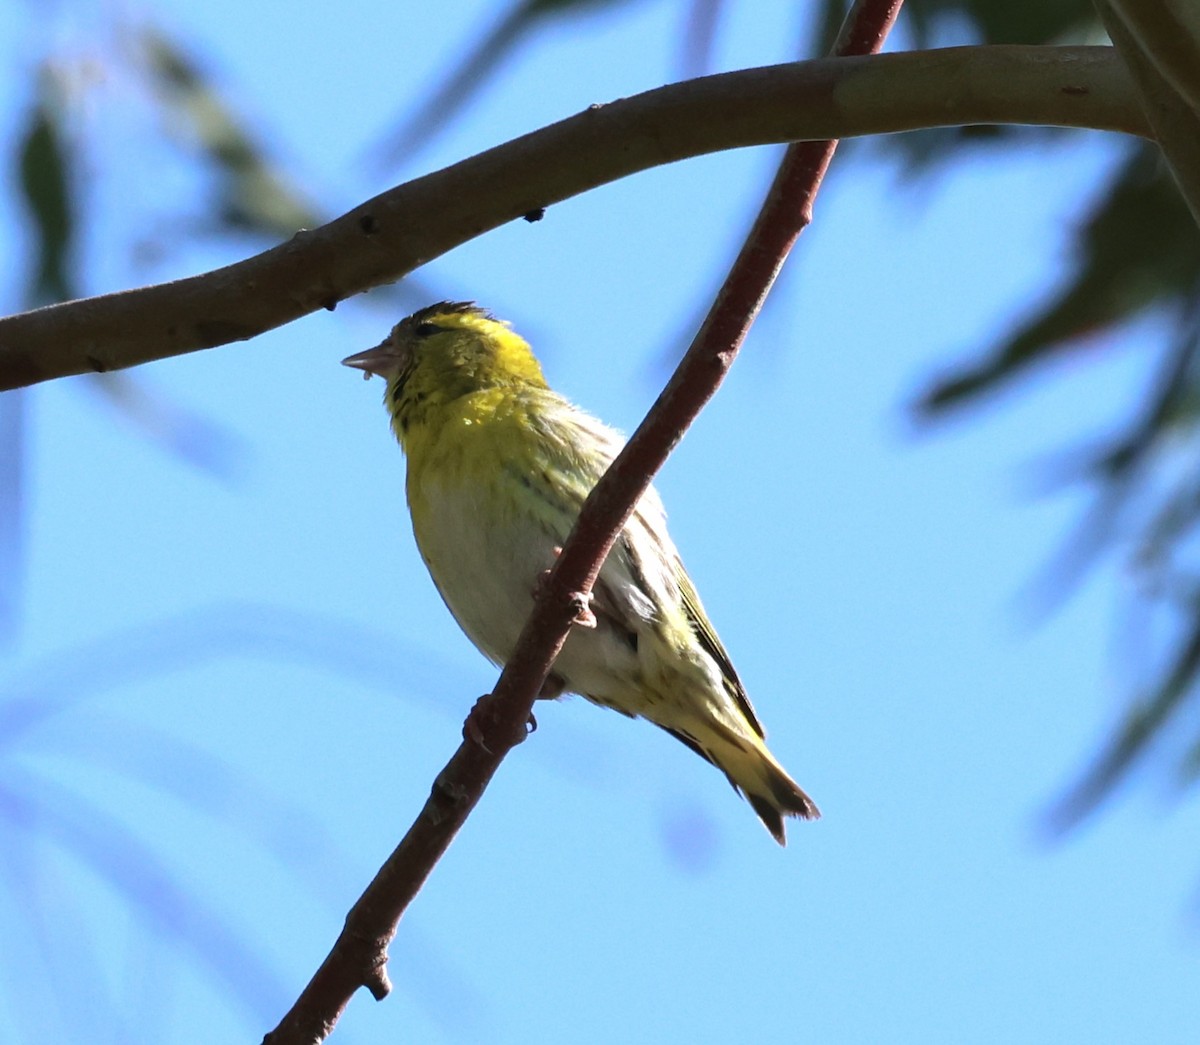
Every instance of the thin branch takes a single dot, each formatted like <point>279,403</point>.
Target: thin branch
<point>360,954</point>
<point>391,235</point>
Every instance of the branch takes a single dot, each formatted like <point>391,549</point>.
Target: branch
<point>360,954</point>
<point>1168,31</point>
<point>1174,120</point>
<point>389,236</point>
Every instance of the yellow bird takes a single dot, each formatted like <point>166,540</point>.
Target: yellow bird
<point>499,466</point>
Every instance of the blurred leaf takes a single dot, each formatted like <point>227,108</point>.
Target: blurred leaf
<point>278,826</point>
<point>252,196</point>
<point>35,805</point>
<point>48,918</point>
<point>940,23</point>
<point>1125,465</point>
<point>12,508</point>
<point>1190,766</point>
<point>43,174</point>
<point>190,436</point>
<point>467,76</point>
<point>700,37</point>
<point>1139,248</point>
<point>65,678</point>
<point>44,165</point>
<point>921,152</point>
<point>1176,517</point>
<point>946,23</point>
<point>206,783</point>
<point>39,808</point>
<point>1145,723</point>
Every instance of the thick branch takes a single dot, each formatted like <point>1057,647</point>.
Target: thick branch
<point>402,229</point>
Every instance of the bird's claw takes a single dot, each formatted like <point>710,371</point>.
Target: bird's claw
<point>473,725</point>
<point>581,605</point>
<point>581,602</point>
<point>480,720</point>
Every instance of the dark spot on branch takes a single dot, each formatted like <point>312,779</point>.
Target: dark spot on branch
<point>535,215</point>
<point>447,791</point>
<point>1074,90</point>
<point>368,224</point>
<point>330,303</point>
<point>96,364</point>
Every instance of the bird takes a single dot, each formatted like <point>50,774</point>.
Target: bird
<point>498,468</point>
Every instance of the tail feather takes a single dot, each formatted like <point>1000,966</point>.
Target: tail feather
<point>785,798</point>
<point>754,773</point>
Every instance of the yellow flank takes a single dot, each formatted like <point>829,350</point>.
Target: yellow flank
<point>498,468</point>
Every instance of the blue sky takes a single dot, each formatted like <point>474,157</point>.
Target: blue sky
<point>254,682</point>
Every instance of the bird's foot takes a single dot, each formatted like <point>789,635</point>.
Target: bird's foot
<point>481,721</point>
<point>581,601</point>
<point>477,718</point>
<point>581,606</point>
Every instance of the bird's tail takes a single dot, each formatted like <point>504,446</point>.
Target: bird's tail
<point>753,772</point>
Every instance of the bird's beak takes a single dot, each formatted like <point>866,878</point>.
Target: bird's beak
<point>383,359</point>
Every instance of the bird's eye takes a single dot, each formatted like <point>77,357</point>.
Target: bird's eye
<point>426,329</point>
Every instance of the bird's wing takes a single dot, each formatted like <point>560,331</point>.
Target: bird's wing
<point>586,447</point>
<point>661,576</point>
<point>707,637</point>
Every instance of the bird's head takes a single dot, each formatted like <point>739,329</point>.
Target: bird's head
<point>453,345</point>
<point>446,351</point>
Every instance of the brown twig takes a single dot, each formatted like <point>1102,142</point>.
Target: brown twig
<point>391,235</point>
<point>359,956</point>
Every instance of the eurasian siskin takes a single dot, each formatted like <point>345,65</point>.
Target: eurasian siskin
<point>499,466</point>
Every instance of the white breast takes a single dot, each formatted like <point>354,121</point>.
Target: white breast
<point>485,559</point>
